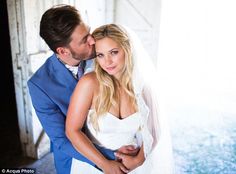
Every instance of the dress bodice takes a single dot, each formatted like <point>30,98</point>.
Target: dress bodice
<point>113,132</point>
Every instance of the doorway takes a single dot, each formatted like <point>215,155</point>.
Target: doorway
<point>10,146</point>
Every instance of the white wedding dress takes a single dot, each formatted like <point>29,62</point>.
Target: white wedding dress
<point>113,133</point>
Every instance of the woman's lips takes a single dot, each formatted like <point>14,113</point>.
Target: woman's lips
<point>110,68</point>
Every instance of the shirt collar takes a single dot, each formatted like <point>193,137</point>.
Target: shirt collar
<point>72,69</point>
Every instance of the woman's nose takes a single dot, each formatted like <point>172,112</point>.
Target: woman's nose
<point>108,60</point>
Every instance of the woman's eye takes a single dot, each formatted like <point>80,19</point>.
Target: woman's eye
<point>114,52</point>
<point>99,55</point>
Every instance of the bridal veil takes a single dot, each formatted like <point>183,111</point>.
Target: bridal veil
<point>156,133</point>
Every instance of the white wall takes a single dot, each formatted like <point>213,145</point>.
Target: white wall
<point>143,16</point>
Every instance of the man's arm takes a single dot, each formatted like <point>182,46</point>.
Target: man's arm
<point>53,122</point>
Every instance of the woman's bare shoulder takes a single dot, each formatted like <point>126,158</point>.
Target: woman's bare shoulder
<point>91,76</point>
<point>89,79</point>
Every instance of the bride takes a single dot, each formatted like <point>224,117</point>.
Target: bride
<point>115,106</point>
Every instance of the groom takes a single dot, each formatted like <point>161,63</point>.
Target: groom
<point>52,85</point>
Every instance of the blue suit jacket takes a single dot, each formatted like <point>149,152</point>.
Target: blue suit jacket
<point>50,89</point>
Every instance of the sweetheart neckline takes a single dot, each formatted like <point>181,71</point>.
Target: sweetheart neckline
<point>117,118</point>
<point>120,119</point>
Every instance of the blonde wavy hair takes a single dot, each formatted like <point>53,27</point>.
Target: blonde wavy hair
<point>108,86</point>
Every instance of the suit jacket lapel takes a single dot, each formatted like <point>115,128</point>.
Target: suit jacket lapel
<point>62,74</point>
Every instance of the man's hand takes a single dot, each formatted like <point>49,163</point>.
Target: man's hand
<point>130,162</point>
<point>129,150</point>
<point>114,167</point>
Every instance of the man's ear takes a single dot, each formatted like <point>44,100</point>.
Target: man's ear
<point>62,51</point>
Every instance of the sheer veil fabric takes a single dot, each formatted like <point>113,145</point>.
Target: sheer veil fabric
<point>155,134</point>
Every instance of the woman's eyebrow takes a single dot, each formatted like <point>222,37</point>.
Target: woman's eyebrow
<point>113,49</point>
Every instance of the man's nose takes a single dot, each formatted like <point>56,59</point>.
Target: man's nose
<point>91,40</point>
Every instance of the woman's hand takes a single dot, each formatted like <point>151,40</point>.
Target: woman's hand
<point>130,162</point>
<point>114,167</point>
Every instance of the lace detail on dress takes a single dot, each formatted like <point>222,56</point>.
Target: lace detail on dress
<point>145,134</point>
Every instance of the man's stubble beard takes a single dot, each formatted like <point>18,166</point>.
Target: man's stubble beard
<point>83,57</point>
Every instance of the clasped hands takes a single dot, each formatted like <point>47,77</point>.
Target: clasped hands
<point>127,159</point>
